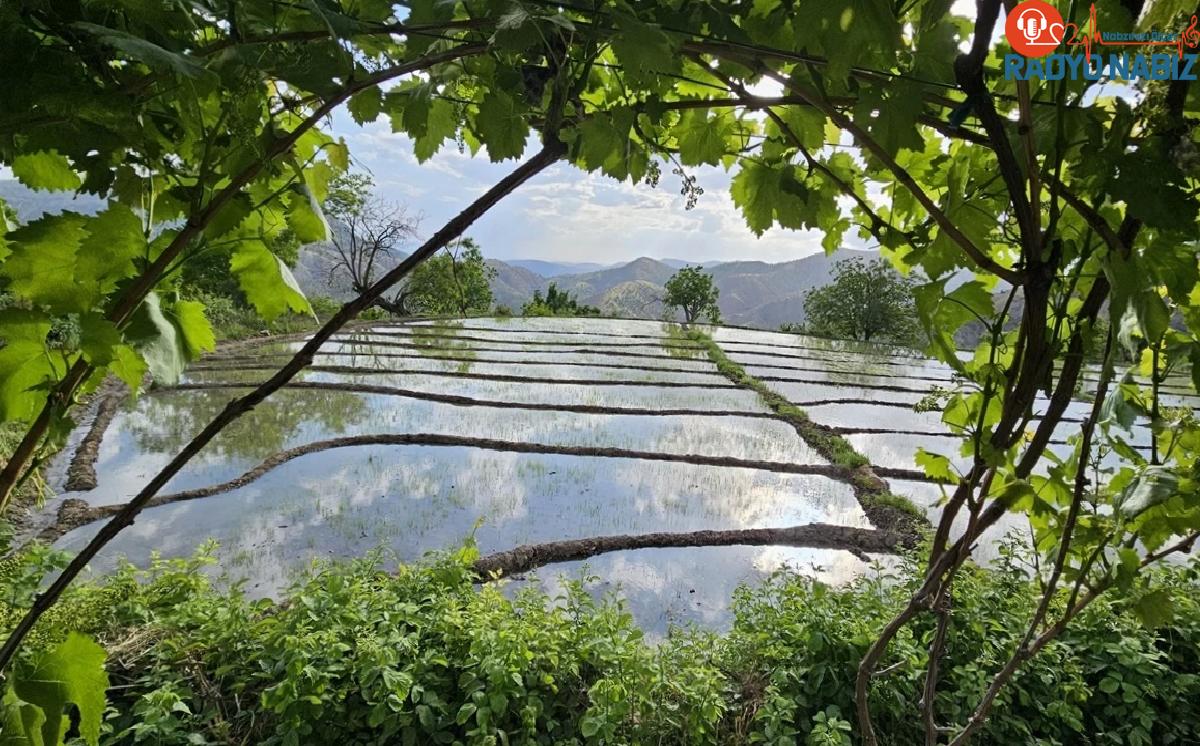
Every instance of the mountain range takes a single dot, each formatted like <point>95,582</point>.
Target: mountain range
<point>759,294</point>
<point>752,293</point>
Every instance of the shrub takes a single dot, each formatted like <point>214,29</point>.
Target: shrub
<point>354,654</point>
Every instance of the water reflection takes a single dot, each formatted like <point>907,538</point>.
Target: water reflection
<point>140,445</point>
<point>414,499</point>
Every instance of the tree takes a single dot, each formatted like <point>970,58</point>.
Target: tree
<point>455,282</point>
<point>692,291</point>
<point>866,301</point>
<point>556,303</point>
<point>367,233</point>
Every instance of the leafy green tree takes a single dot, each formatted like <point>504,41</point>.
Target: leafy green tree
<point>455,282</point>
<point>692,291</point>
<point>866,301</point>
<point>556,303</point>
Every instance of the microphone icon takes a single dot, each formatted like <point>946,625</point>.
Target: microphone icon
<point>1031,22</point>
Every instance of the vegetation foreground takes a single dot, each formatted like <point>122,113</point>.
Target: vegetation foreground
<point>358,653</point>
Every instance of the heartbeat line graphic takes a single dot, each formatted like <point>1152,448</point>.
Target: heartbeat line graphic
<point>1187,39</point>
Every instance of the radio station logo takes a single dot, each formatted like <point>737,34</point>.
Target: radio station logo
<point>1034,28</point>
<point>1045,47</point>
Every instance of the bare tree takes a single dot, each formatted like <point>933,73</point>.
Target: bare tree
<point>368,234</point>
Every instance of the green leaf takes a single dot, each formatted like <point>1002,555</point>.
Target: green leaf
<point>69,263</point>
<point>1117,409</point>
<point>73,673</point>
<point>196,331</point>
<point>756,190</point>
<point>1154,608</point>
<point>1167,205</point>
<point>158,341</point>
<point>936,466</point>
<point>106,256</point>
<point>1152,314</point>
<point>128,365</point>
<point>42,263</point>
<point>598,141</point>
<point>807,124</point>
<point>45,170</point>
<point>1154,485</point>
<point>305,218</point>
<point>501,126</point>
<point>603,142</point>
<point>146,52</point>
<point>644,51</point>
<point>889,114</point>
<point>266,281</point>
<point>702,139</point>
<point>20,722</point>
<point>366,106</point>
<point>440,126</point>
<point>26,365</point>
<point>99,339</point>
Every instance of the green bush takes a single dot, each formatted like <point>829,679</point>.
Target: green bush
<point>421,655</point>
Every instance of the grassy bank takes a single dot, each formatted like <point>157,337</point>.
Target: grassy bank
<point>884,509</point>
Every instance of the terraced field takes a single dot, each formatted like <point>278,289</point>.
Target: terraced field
<point>524,431</point>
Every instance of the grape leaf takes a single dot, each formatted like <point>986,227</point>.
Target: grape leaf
<point>107,254</point>
<point>755,190</point>
<point>1154,485</point>
<point>128,365</point>
<point>20,721</point>
<point>1154,608</point>
<point>501,126</point>
<point>25,363</point>
<point>644,51</point>
<point>366,106</point>
<point>442,124</point>
<point>936,467</point>
<point>157,340</point>
<point>194,327</point>
<point>305,218</point>
<point>98,339</point>
<point>72,673</point>
<point>702,139</point>
<point>43,261</point>
<point>45,170</point>
<point>147,52</point>
<point>1152,315</point>
<point>267,281</point>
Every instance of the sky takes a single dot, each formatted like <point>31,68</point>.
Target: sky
<point>565,214</point>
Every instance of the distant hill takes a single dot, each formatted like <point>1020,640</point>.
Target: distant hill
<point>752,293</point>
<point>545,268</point>
<point>681,263</point>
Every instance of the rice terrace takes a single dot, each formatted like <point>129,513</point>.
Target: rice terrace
<point>573,372</point>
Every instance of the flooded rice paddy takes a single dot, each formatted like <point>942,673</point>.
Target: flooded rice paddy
<point>632,431</point>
